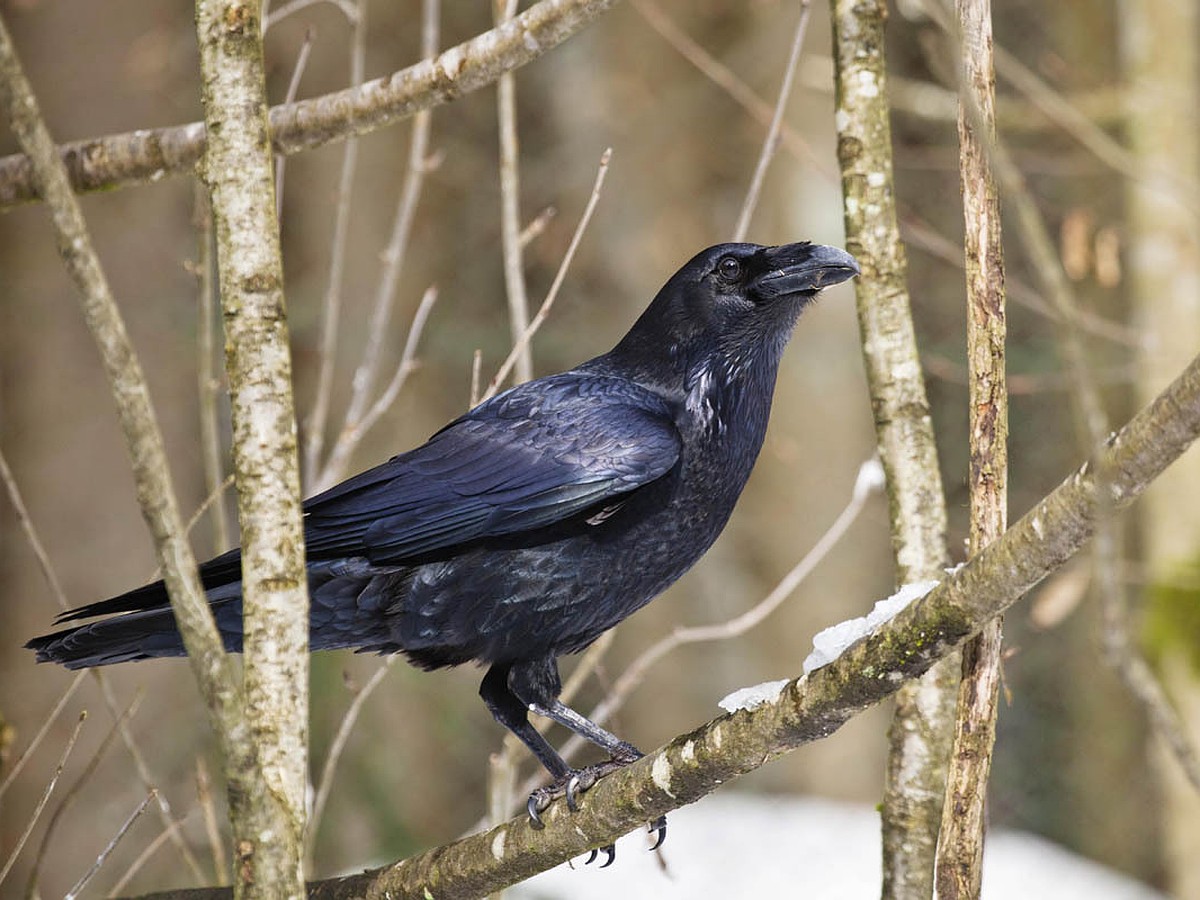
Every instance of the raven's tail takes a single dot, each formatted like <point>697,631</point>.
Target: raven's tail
<point>147,634</point>
<point>351,599</point>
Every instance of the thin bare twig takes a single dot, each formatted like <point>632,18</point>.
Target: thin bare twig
<point>293,89</point>
<point>771,143</point>
<point>28,752</point>
<point>919,233</point>
<point>31,535</point>
<point>351,10</point>
<point>551,295</point>
<point>371,364</point>
<point>204,796</point>
<point>318,418</point>
<point>336,749</point>
<point>1027,383</point>
<point>209,501</point>
<point>407,364</point>
<point>107,851</point>
<point>537,226</point>
<point>165,813</point>
<point>41,805</point>
<point>722,76</point>
<point>476,377</point>
<point>74,790</point>
<point>144,856</point>
<point>510,207</point>
<point>208,382</point>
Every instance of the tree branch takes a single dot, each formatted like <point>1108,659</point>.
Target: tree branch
<point>808,708</point>
<point>922,726</point>
<point>269,775</point>
<point>137,157</point>
<point>510,208</point>
<point>960,844</point>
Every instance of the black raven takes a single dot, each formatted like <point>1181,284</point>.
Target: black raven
<point>526,528</point>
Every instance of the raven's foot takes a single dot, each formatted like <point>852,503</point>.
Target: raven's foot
<point>575,783</point>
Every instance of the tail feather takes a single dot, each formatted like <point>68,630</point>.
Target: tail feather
<point>350,609</point>
<point>148,634</point>
<point>141,635</point>
<point>222,571</point>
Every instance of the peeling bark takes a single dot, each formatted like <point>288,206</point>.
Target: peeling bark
<point>960,844</point>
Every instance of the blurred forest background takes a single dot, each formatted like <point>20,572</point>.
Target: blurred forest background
<point>671,86</point>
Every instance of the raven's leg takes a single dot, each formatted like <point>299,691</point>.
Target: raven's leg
<point>535,684</point>
<point>511,712</point>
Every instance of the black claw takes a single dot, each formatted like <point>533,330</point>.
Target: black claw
<point>659,825</point>
<point>531,807</point>
<point>574,787</point>
<point>579,782</point>
<point>591,857</point>
<point>611,850</point>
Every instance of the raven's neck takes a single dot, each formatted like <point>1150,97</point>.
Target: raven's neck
<point>722,394</point>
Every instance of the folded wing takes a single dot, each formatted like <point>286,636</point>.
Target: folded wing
<point>523,461</point>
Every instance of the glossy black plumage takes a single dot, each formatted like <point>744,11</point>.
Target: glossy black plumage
<point>527,527</point>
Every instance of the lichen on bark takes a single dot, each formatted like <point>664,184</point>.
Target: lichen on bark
<point>921,727</point>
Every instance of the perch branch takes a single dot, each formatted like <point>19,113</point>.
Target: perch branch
<point>808,708</point>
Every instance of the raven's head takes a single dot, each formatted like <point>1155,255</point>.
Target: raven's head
<point>732,308</point>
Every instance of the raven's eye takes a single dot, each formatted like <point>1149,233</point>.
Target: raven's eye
<point>730,268</point>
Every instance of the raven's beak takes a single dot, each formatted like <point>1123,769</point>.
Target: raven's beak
<point>800,268</point>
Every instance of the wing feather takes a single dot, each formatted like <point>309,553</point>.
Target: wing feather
<point>530,458</point>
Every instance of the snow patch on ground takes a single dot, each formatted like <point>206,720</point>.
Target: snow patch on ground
<point>829,644</point>
<point>743,845</point>
<point>756,695</point>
